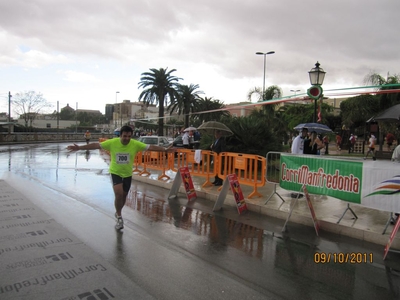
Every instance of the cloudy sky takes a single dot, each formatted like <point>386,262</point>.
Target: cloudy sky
<point>83,51</point>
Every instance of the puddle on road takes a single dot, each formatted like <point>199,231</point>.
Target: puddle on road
<point>219,230</point>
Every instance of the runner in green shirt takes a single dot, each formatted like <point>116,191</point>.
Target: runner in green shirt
<point>122,151</point>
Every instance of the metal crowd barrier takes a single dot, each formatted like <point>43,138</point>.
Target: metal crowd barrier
<point>273,172</point>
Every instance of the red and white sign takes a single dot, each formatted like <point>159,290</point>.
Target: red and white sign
<point>312,211</point>
<point>392,235</point>
<point>237,193</point>
<point>188,183</point>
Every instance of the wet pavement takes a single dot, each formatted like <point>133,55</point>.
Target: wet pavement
<point>368,225</point>
<point>56,228</point>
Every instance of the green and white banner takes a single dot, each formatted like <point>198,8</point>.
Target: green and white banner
<point>339,179</point>
<point>374,184</point>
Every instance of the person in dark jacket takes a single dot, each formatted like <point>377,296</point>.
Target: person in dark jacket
<point>218,146</point>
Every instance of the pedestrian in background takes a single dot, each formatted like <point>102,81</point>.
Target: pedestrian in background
<point>371,146</point>
<point>312,144</point>
<point>389,140</point>
<point>338,142</point>
<point>218,146</point>
<point>298,142</point>
<point>325,140</point>
<point>352,141</point>
<point>87,136</point>
<point>186,140</point>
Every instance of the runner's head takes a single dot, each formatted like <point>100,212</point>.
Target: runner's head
<point>125,134</point>
<point>304,132</point>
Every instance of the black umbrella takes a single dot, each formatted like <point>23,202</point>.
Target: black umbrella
<point>390,114</point>
<point>317,127</point>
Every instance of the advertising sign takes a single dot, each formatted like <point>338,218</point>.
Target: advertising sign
<point>392,235</point>
<point>336,178</point>
<point>312,211</point>
<point>237,193</point>
<point>369,183</point>
<point>188,183</point>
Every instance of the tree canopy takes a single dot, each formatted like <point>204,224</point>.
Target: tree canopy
<point>160,88</point>
<point>28,105</point>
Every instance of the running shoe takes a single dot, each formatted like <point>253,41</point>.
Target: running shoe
<point>120,223</point>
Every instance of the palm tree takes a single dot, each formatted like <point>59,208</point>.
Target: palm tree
<point>159,86</point>
<point>391,82</point>
<point>209,104</point>
<point>186,102</point>
<point>271,92</point>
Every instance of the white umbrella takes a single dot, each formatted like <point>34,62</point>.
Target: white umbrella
<point>191,128</point>
<point>212,126</point>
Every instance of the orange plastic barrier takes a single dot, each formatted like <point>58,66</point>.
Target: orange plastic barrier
<point>187,158</point>
<point>152,160</point>
<point>250,169</point>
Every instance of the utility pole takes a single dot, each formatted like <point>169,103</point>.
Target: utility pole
<point>76,118</point>
<point>9,112</point>
<point>58,116</point>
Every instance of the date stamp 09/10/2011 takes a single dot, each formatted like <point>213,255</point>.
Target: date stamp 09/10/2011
<point>343,258</point>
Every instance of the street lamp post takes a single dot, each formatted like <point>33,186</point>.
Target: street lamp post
<point>9,112</point>
<point>76,118</point>
<point>116,101</point>
<point>317,76</point>
<point>265,54</point>
<point>295,92</point>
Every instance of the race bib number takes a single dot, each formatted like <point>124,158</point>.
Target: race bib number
<point>122,158</point>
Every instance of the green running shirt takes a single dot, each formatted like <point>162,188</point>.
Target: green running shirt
<point>122,156</point>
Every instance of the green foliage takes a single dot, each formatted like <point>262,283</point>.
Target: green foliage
<point>90,119</point>
<point>67,114</point>
<point>391,82</point>
<point>304,113</point>
<point>271,92</point>
<point>209,104</point>
<point>251,136</point>
<point>186,101</point>
<point>357,110</point>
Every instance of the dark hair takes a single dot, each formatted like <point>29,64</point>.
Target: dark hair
<point>126,129</point>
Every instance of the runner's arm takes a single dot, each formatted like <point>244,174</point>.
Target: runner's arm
<point>91,146</point>
<point>159,148</point>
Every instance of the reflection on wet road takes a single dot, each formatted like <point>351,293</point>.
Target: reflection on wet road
<point>179,250</point>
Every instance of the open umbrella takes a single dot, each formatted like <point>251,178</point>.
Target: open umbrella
<point>211,126</point>
<point>390,114</point>
<point>318,128</point>
<point>191,128</point>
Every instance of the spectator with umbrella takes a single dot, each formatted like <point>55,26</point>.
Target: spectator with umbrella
<point>220,131</point>
<point>218,146</point>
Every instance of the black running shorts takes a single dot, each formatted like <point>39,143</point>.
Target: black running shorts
<point>126,182</point>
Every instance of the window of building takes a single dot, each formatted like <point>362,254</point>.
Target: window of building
<point>48,125</point>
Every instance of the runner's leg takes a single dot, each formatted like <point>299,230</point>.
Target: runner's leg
<point>120,198</point>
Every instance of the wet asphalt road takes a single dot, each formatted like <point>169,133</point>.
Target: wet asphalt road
<point>176,250</point>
